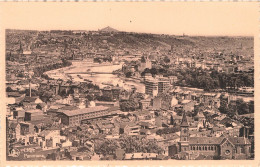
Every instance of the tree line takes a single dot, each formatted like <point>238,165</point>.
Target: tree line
<point>130,144</point>
<point>38,71</point>
<point>206,79</point>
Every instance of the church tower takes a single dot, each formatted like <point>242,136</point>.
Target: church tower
<point>184,134</point>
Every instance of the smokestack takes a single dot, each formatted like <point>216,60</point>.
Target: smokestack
<point>247,132</point>
<point>30,89</point>
<point>244,132</point>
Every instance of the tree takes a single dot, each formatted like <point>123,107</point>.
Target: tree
<point>223,107</point>
<point>242,107</point>
<point>9,89</point>
<point>166,59</point>
<point>251,107</point>
<point>63,93</point>
<point>106,147</point>
<point>128,74</point>
<point>129,105</point>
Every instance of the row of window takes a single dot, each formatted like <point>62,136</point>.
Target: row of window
<point>88,115</point>
<point>203,148</point>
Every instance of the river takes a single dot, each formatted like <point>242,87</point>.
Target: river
<point>103,79</point>
<point>99,79</point>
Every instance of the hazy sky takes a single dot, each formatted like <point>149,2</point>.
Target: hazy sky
<point>191,18</point>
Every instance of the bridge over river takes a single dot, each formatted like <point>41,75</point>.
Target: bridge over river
<point>91,73</point>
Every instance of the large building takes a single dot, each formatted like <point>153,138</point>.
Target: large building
<point>163,85</point>
<point>151,87</point>
<point>74,117</point>
<point>155,86</point>
<point>222,147</point>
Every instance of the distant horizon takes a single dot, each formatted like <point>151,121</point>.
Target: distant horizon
<point>118,31</point>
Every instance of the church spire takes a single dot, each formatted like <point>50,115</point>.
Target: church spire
<point>184,122</point>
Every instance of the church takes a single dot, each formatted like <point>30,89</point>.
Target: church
<point>221,147</point>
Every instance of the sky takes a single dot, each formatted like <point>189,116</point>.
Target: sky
<point>175,18</point>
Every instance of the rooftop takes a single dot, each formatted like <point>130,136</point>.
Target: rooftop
<point>84,110</point>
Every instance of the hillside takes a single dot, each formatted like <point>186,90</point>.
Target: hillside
<point>104,39</point>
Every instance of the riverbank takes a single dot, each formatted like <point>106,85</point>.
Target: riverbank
<point>99,74</point>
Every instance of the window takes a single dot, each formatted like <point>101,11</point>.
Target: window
<point>206,148</point>
<point>243,150</point>
<point>227,152</point>
<point>199,148</point>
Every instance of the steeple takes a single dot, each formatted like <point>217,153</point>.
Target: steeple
<point>184,122</point>
<point>184,134</point>
<point>21,48</point>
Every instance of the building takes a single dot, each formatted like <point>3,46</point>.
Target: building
<point>223,147</point>
<point>188,105</point>
<point>163,85</point>
<point>129,129</point>
<point>147,76</point>
<point>111,92</point>
<point>173,79</point>
<point>151,87</point>
<point>145,104</point>
<point>74,117</point>
<point>145,63</point>
<point>34,114</point>
<point>107,103</point>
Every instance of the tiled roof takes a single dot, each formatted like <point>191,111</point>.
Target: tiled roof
<point>34,111</point>
<point>205,140</point>
<point>239,140</point>
<point>13,94</point>
<point>217,140</point>
<point>30,99</point>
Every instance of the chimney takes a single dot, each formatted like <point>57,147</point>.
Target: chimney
<point>244,132</point>
<point>30,89</point>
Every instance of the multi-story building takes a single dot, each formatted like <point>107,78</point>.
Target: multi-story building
<point>74,117</point>
<point>163,85</point>
<point>151,87</point>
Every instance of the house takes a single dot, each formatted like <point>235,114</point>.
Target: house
<point>188,105</point>
<point>33,114</point>
<point>107,103</point>
<point>49,139</point>
<point>42,106</point>
<point>144,104</point>
<point>35,100</point>
<point>129,129</point>
<point>15,97</point>
<point>157,103</point>
<point>31,102</point>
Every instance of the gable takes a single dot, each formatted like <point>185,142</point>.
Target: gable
<point>226,143</point>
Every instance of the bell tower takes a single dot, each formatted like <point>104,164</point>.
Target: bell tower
<point>184,134</point>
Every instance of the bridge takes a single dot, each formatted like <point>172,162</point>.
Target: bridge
<point>91,73</point>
